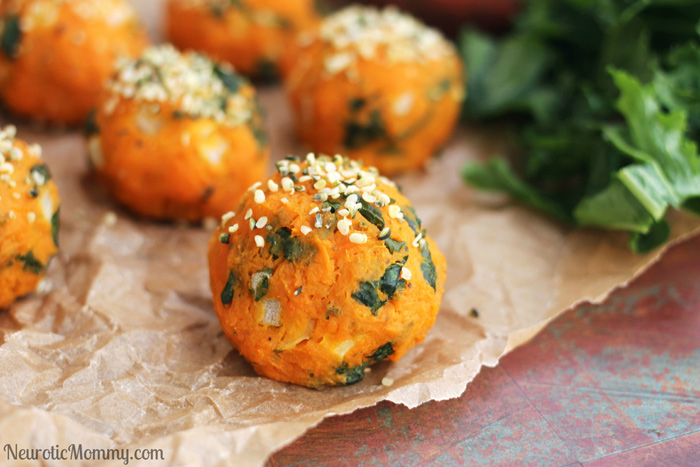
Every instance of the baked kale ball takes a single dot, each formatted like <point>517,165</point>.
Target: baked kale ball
<point>55,55</point>
<point>377,86</point>
<point>322,271</point>
<point>255,36</point>
<point>29,217</point>
<point>178,136</point>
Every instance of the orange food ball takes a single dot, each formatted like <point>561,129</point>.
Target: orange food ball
<point>29,217</point>
<point>56,55</point>
<point>254,36</point>
<point>378,86</point>
<point>178,136</point>
<point>323,270</point>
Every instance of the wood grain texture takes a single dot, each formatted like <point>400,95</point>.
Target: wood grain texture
<point>611,385</point>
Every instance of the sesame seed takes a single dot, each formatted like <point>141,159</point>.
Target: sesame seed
<point>287,184</point>
<point>251,223</point>
<point>344,226</point>
<point>227,217</point>
<point>416,241</point>
<point>306,230</point>
<point>406,273</point>
<point>31,217</point>
<point>294,168</point>
<point>255,186</point>
<point>388,382</point>
<point>314,211</point>
<point>320,184</point>
<point>233,228</point>
<point>259,241</point>
<point>305,179</point>
<point>343,212</point>
<point>284,201</point>
<point>273,186</point>
<point>395,211</point>
<point>109,219</point>
<point>262,222</point>
<point>369,198</point>
<point>385,233</point>
<point>248,214</point>
<point>259,196</point>
<point>358,238</point>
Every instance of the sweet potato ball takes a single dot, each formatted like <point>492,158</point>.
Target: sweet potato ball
<point>252,35</point>
<point>29,217</point>
<point>178,136</point>
<point>55,55</point>
<point>323,270</point>
<point>376,85</point>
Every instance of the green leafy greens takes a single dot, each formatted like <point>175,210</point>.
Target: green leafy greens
<point>606,98</point>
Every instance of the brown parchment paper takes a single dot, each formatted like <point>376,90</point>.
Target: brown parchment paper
<point>124,349</point>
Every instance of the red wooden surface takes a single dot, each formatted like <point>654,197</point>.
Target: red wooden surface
<point>613,385</point>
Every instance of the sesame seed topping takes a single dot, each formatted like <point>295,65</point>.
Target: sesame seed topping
<point>259,196</point>
<point>284,201</point>
<point>388,382</point>
<point>191,82</point>
<point>31,217</point>
<point>110,219</point>
<point>227,217</point>
<point>406,273</point>
<point>344,226</point>
<point>255,186</point>
<point>358,238</point>
<point>273,186</point>
<point>259,241</point>
<point>262,222</point>
<point>248,214</point>
<point>416,241</point>
<point>233,228</point>
<point>395,212</point>
<point>343,212</point>
<point>306,230</point>
<point>287,184</point>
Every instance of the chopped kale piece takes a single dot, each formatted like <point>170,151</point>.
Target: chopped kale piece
<point>412,218</point>
<point>428,267</point>
<point>91,127</point>
<point>394,245</point>
<point>225,238</point>
<point>179,114</point>
<point>356,104</point>
<point>358,135</point>
<point>11,37</point>
<point>282,243</point>
<point>55,224</point>
<point>391,280</point>
<point>232,82</point>
<point>372,214</point>
<point>31,263</point>
<point>40,174</point>
<point>383,352</point>
<point>352,375</point>
<point>227,293</point>
<point>368,296</point>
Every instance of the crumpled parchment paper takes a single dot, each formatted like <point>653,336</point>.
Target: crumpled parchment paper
<point>125,349</point>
